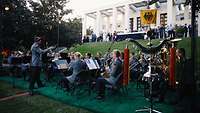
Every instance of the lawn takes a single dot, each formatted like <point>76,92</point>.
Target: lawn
<point>32,104</point>
<point>103,48</point>
<point>43,104</point>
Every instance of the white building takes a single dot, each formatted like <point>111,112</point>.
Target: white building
<point>125,16</point>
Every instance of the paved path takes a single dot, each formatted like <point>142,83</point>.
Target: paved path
<point>14,96</point>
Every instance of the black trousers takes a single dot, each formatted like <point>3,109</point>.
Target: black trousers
<point>100,86</point>
<point>35,77</point>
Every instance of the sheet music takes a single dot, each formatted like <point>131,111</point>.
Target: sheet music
<point>92,64</point>
<point>96,63</point>
<point>61,64</point>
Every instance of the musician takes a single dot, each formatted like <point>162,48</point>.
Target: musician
<point>14,60</point>
<point>65,56</point>
<point>134,67</point>
<point>185,82</point>
<point>122,56</point>
<point>77,66</point>
<point>56,57</point>
<point>71,56</point>
<point>36,63</point>
<point>144,63</point>
<point>116,69</point>
<point>99,59</point>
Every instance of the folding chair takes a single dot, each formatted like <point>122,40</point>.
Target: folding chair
<point>83,82</point>
<point>117,85</point>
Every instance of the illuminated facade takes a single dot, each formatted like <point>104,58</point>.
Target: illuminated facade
<point>125,16</point>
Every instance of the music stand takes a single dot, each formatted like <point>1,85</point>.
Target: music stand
<point>15,61</point>
<point>92,64</point>
<point>61,64</point>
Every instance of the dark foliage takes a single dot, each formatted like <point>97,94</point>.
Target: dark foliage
<point>26,19</point>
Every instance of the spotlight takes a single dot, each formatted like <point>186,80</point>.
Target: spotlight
<point>7,8</point>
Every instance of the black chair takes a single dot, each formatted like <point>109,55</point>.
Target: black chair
<point>118,86</point>
<point>82,83</point>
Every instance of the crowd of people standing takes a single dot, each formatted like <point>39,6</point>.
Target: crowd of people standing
<point>160,32</point>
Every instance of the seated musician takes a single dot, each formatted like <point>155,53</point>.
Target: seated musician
<point>116,69</point>
<point>144,64</point>
<point>134,67</point>
<point>77,66</point>
<point>56,57</point>
<point>14,62</point>
<point>99,59</point>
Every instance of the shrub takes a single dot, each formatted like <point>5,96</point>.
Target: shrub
<point>179,31</point>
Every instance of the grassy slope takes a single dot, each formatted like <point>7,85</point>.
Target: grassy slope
<point>34,104</point>
<point>103,47</point>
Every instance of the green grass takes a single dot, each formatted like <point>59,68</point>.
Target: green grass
<point>32,104</point>
<point>103,48</point>
<point>42,104</point>
<point>112,104</point>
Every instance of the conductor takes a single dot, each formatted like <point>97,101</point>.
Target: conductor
<point>36,63</point>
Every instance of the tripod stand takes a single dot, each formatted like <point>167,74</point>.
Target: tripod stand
<point>150,109</point>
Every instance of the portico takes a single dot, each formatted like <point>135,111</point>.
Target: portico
<point>124,17</point>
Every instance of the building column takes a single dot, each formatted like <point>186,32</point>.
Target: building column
<point>84,21</point>
<point>126,19</point>
<point>158,18</point>
<point>98,23</point>
<point>107,24</point>
<point>170,13</point>
<point>135,16</point>
<point>114,21</point>
<point>186,14</point>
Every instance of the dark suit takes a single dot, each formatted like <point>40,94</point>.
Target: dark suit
<point>116,70</point>
<point>185,79</point>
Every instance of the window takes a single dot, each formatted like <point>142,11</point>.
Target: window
<point>131,21</point>
<point>138,23</point>
<point>163,19</point>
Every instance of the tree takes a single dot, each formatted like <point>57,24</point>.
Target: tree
<point>26,19</point>
<point>13,23</point>
<point>47,17</point>
<point>45,14</point>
